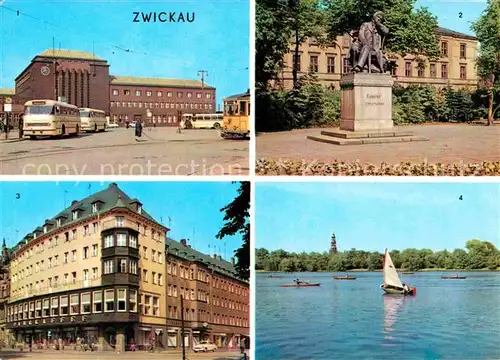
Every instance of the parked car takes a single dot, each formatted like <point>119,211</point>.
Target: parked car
<point>112,125</point>
<point>204,346</point>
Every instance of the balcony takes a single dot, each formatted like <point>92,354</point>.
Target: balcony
<point>119,278</point>
<point>73,285</point>
<point>120,251</point>
<point>115,224</point>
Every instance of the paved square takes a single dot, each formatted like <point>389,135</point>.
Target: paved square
<point>160,151</point>
<point>449,143</point>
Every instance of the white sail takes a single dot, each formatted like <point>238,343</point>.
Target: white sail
<point>390,274</point>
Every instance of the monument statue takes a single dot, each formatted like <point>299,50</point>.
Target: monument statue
<point>365,54</point>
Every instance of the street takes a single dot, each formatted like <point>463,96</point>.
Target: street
<point>160,151</point>
<point>7,354</point>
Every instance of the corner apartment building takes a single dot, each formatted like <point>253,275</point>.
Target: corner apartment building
<point>215,300</point>
<point>94,271</point>
<point>455,67</point>
<point>4,294</point>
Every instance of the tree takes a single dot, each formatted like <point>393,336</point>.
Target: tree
<point>236,219</point>
<point>400,17</point>
<point>307,20</point>
<point>487,29</point>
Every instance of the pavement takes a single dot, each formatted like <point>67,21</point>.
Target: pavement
<point>449,143</point>
<point>110,355</point>
<point>160,151</point>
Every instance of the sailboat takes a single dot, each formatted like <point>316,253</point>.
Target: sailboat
<point>392,284</point>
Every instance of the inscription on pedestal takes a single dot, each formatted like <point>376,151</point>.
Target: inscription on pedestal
<point>374,99</point>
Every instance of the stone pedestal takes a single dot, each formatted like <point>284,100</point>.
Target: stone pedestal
<point>366,113</point>
<point>366,102</point>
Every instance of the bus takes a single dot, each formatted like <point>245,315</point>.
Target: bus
<point>236,116</point>
<point>50,118</point>
<point>93,120</point>
<point>200,121</point>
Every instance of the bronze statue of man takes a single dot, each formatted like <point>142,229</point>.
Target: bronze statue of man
<point>371,37</point>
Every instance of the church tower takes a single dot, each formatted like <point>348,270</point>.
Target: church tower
<point>333,245</point>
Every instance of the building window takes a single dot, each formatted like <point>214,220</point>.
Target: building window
<point>189,95</point>
<point>94,273</point>
<point>331,65</point>
<point>144,275</point>
<point>133,267</point>
<point>66,257</point>
<point>73,255</point>
<point>73,277</point>
<point>145,252</point>
<point>463,51</point>
<point>94,250</point>
<point>32,310</point>
<point>159,94</point>
<point>132,241</point>
<point>160,258</point>
<point>132,302</point>
<point>123,265</point>
<point>126,92</point>
<point>97,301</point>
<point>108,241</point>
<point>155,279</point>
<point>420,72</point>
<point>463,72</point>
<point>444,49</point>
<point>156,306</point>
<point>121,240</point>
<point>444,71</point>
<point>46,307</point>
<point>85,252</point>
<point>108,267</point>
<point>408,69</point>
<point>85,275</point>
<point>74,304</point>
<point>120,221</point>
<point>147,304</point>
<point>296,62</point>
<point>109,300</point>
<point>75,215</point>
<point>138,93</point>
<point>160,280</point>
<point>54,306</point>
<point>313,64</point>
<point>346,67</point>
<point>122,300</point>
<point>85,303</point>
<point>149,93</point>
<point>115,91</point>
<point>38,309</point>
<point>433,71</point>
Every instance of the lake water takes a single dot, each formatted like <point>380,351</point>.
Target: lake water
<point>352,319</point>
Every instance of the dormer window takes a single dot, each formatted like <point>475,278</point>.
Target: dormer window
<point>75,214</point>
<point>34,237</point>
<point>139,208</point>
<point>45,229</point>
<point>95,207</point>
<point>58,222</point>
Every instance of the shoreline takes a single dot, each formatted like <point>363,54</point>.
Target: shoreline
<point>376,271</point>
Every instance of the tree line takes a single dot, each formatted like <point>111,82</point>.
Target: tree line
<point>283,25</point>
<point>476,255</point>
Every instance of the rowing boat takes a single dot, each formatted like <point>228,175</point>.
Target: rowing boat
<point>453,277</point>
<point>347,277</point>
<point>300,285</point>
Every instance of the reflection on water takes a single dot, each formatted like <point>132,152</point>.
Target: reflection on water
<point>346,320</point>
<point>392,307</point>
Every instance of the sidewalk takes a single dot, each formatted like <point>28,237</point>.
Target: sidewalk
<point>12,136</point>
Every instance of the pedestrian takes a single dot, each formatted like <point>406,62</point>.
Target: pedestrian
<point>21,125</point>
<point>138,129</point>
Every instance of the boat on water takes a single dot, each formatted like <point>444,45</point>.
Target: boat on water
<point>407,272</point>
<point>274,277</point>
<point>392,284</point>
<point>453,277</point>
<point>346,277</point>
<point>300,285</point>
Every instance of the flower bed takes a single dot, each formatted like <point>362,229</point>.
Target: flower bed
<point>340,168</point>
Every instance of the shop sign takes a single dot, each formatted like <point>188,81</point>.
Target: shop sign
<point>60,320</point>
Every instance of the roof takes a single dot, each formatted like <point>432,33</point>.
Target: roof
<point>7,91</point>
<point>453,33</point>
<point>131,80</point>
<point>237,96</point>
<point>111,197</point>
<point>70,54</point>
<point>185,252</point>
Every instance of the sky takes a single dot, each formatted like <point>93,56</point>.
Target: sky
<point>217,41</point>
<point>455,14</point>
<point>192,206</point>
<point>300,217</point>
